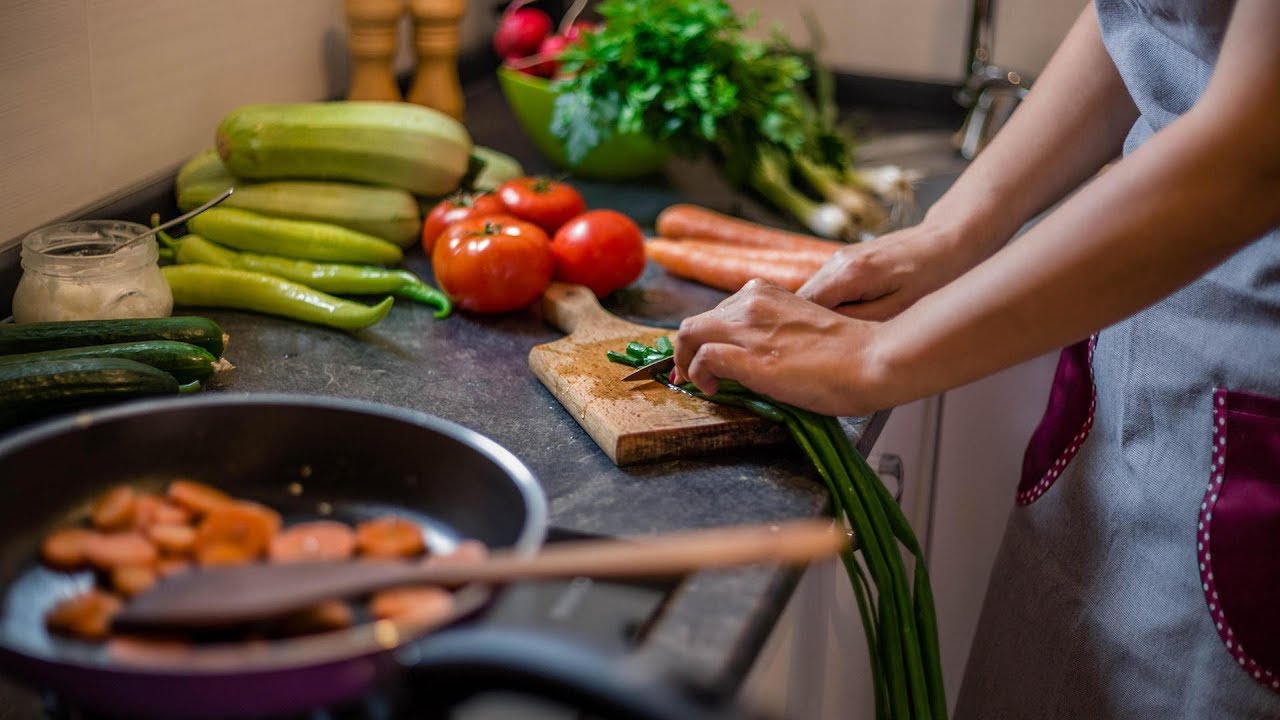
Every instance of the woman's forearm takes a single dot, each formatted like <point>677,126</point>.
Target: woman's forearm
<point>1196,192</point>
<point>1072,122</point>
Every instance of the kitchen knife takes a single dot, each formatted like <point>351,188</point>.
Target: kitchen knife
<point>652,369</point>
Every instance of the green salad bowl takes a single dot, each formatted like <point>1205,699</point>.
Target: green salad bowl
<point>621,157</point>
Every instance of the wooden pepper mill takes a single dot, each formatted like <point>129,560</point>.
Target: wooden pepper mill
<point>372,33</point>
<point>435,35</point>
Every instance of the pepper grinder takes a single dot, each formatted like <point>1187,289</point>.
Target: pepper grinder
<point>435,84</point>
<point>372,32</point>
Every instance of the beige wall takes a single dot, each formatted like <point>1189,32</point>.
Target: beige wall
<point>97,96</point>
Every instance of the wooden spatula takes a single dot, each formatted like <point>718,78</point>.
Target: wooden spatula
<point>232,596</point>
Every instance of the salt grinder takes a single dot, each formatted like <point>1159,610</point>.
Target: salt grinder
<point>436,31</point>
<point>372,32</point>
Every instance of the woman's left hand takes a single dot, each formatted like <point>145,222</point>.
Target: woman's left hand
<point>788,349</point>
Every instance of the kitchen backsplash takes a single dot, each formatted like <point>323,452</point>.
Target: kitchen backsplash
<point>98,96</point>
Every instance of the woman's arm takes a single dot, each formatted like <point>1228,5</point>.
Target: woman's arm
<point>1197,191</point>
<point>1072,122</point>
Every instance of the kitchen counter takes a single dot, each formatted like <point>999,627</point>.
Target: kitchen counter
<point>473,370</point>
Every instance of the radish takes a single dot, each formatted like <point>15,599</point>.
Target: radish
<point>549,51</point>
<point>521,32</point>
<point>579,28</point>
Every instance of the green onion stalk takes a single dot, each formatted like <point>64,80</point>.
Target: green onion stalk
<point>896,607</point>
<point>770,176</point>
<point>863,208</point>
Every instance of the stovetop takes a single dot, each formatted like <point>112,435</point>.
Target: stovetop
<point>609,616</point>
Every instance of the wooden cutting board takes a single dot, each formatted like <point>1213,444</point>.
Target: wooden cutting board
<point>631,421</point>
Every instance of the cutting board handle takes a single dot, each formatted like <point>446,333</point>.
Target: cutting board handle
<point>569,306</point>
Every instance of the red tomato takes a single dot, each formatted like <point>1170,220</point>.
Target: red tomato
<point>455,208</point>
<point>494,264</point>
<point>542,201</point>
<point>602,249</point>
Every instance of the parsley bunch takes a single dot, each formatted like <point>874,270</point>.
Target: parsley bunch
<point>684,73</point>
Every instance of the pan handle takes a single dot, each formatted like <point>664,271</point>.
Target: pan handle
<point>453,666</point>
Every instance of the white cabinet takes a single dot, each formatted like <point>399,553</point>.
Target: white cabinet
<point>961,454</point>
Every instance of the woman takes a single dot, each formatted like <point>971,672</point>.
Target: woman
<point>1140,574</point>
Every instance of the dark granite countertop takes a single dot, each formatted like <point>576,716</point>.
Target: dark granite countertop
<point>473,370</point>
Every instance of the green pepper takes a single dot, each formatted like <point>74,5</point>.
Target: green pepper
<point>335,278</point>
<point>213,286</point>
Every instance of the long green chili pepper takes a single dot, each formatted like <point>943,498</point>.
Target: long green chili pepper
<point>899,618</point>
<point>213,286</point>
<point>333,278</point>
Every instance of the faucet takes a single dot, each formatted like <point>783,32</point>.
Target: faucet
<point>991,93</point>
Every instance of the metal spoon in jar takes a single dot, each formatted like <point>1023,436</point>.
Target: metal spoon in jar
<point>181,218</point>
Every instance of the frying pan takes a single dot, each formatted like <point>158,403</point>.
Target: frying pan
<point>307,457</point>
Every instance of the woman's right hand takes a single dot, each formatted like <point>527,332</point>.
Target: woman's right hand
<point>877,279</point>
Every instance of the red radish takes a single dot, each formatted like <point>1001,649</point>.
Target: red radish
<point>549,51</point>
<point>521,32</point>
<point>578,29</point>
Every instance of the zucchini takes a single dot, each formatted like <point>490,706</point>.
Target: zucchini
<point>301,239</point>
<point>35,389</point>
<point>384,212</point>
<point>184,361</point>
<point>402,145</point>
<point>498,168</point>
<point>37,337</point>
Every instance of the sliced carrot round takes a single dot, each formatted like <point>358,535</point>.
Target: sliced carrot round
<point>114,509</point>
<point>107,552</point>
<point>67,549</point>
<point>316,540</point>
<point>389,537</point>
<point>130,580</point>
<point>173,539</point>
<point>421,605</point>
<point>86,616</point>
<point>155,510</point>
<point>197,497</point>
<point>236,532</point>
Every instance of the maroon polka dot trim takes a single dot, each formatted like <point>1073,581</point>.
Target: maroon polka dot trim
<point>1217,471</point>
<point>1033,493</point>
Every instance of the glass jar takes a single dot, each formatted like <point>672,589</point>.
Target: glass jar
<point>88,270</point>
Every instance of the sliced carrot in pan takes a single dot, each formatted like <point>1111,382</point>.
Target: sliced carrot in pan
<point>197,497</point>
<point>155,510</point>
<point>67,549</point>
<point>234,533</point>
<point>107,552</point>
<point>86,616</point>
<point>316,540</point>
<point>173,540</point>
<point>389,537</point>
<point>420,605</point>
<point>130,580</point>
<point>114,509</point>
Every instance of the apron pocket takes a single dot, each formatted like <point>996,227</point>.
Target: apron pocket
<point>1066,422</point>
<point>1238,536</point>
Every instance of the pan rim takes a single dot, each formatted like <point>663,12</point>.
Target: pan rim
<point>297,654</point>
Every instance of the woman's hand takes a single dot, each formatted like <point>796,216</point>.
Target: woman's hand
<point>784,347</point>
<point>877,279</point>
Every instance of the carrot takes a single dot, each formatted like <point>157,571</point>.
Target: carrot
<point>86,616</point>
<point>694,221</point>
<point>108,552</point>
<point>724,266</point>
<point>155,510</point>
<point>197,497</point>
<point>173,540</point>
<point>114,509</point>
<point>424,605</point>
<point>325,617</point>
<point>318,540</point>
<point>67,549</point>
<point>130,580</point>
<point>389,537</point>
<point>235,533</point>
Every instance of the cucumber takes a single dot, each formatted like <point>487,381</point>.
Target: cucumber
<point>32,390</point>
<point>38,337</point>
<point>184,361</point>
<point>383,212</point>
<point>301,239</point>
<point>402,145</point>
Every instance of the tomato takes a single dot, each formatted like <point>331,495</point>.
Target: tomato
<point>542,201</point>
<point>602,249</point>
<point>493,265</point>
<point>455,208</point>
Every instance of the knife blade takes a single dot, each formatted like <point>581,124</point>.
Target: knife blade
<point>649,371</point>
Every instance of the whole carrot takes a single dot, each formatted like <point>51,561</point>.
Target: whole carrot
<point>729,267</point>
<point>694,221</point>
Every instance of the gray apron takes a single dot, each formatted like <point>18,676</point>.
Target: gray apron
<point>1139,576</point>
